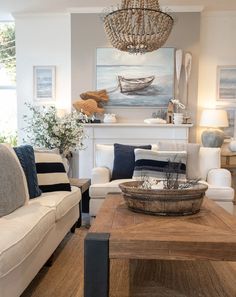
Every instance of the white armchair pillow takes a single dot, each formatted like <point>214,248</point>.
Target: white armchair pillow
<point>104,156</point>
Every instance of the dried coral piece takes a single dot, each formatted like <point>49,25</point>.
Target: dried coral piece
<point>88,107</point>
<point>96,95</point>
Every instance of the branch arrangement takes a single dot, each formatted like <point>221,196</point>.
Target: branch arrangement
<point>171,180</point>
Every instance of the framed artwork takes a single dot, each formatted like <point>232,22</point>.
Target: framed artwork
<point>231,130</point>
<point>226,84</point>
<point>136,80</point>
<point>44,83</point>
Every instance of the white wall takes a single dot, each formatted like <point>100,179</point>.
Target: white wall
<point>70,43</point>
<point>218,47</point>
<point>42,40</point>
<point>88,33</point>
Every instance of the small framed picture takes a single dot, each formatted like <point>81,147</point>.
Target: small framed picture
<point>226,84</point>
<point>44,83</point>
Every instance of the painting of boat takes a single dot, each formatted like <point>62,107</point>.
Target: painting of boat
<point>144,81</point>
<point>134,84</point>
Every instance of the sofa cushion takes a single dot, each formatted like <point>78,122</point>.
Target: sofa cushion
<point>60,201</point>
<point>13,193</point>
<point>124,160</point>
<point>51,173</point>
<point>157,164</point>
<point>21,232</point>
<point>10,148</point>
<point>101,190</point>
<point>25,154</point>
<point>192,169</point>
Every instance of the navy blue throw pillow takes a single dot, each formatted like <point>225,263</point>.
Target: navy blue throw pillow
<point>124,160</point>
<point>25,154</point>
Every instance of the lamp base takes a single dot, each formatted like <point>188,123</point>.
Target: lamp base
<point>213,138</point>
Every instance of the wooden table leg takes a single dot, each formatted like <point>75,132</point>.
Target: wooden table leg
<point>120,278</point>
<point>234,183</point>
<point>96,265</point>
<point>85,201</point>
<point>232,171</point>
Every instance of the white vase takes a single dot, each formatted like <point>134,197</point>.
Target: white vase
<point>178,118</point>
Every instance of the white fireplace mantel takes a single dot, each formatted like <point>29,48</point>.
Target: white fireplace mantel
<point>126,133</point>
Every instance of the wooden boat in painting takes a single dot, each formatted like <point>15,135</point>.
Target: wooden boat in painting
<point>134,84</point>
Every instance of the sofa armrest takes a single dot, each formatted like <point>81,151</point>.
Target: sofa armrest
<point>219,177</point>
<point>100,175</point>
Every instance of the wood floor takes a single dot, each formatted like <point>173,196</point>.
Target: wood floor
<point>147,278</point>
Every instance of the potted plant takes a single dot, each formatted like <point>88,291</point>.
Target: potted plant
<point>45,129</point>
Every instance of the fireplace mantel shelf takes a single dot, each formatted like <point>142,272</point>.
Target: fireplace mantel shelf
<point>136,125</point>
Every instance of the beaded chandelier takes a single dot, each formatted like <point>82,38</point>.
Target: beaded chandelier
<point>137,26</point>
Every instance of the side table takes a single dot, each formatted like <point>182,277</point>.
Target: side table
<point>228,161</point>
<point>83,184</point>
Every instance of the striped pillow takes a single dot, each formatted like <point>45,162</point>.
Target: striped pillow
<point>51,173</point>
<point>155,164</point>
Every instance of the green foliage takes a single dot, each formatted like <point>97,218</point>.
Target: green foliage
<point>7,48</point>
<point>11,139</point>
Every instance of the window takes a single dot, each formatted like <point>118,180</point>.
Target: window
<point>8,103</point>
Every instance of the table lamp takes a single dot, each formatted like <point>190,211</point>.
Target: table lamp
<point>213,119</point>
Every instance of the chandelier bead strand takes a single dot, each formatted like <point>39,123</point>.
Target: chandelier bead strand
<point>138,26</point>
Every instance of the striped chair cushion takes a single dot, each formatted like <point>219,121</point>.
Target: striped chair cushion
<point>51,173</point>
<point>155,164</point>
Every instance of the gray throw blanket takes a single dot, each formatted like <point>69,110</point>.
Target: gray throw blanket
<point>12,189</point>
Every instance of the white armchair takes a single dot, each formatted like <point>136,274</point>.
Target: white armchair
<point>101,175</point>
<point>217,179</point>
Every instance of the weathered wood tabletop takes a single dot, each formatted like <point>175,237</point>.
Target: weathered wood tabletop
<point>207,235</point>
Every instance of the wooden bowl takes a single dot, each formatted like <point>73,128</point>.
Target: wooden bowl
<point>165,202</point>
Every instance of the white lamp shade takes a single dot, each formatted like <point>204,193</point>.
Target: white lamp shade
<point>214,118</point>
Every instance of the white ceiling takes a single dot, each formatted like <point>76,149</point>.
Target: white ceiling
<point>7,7</point>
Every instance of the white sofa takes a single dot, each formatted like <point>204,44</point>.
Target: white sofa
<point>217,179</point>
<point>30,234</point>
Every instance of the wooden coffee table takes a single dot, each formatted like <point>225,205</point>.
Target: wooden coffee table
<point>118,233</point>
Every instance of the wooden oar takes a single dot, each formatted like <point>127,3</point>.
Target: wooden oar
<point>178,66</point>
<point>188,68</point>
